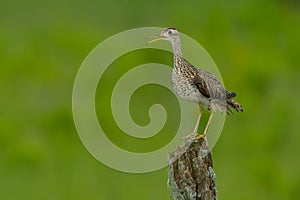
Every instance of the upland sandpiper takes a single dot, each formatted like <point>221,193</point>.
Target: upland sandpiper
<point>197,85</point>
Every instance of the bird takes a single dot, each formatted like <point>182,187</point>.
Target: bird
<point>197,85</point>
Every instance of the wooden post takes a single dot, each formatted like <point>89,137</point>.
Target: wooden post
<point>191,174</point>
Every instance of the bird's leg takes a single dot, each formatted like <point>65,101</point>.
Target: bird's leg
<point>195,131</point>
<point>207,126</point>
<point>208,123</point>
<point>198,120</point>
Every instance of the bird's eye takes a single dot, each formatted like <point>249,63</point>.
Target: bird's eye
<point>170,32</point>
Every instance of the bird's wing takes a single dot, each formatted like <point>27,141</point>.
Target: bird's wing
<point>207,84</point>
<point>198,80</point>
<point>201,85</point>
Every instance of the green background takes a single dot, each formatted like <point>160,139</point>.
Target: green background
<point>255,44</point>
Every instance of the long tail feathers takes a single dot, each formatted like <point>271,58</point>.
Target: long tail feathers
<point>235,105</point>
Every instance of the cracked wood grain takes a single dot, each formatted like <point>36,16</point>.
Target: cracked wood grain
<point>191,174</point>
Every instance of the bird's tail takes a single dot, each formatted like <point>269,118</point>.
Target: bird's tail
<point>235,105</point>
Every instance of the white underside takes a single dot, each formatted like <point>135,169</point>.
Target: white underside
<point>185,90</point>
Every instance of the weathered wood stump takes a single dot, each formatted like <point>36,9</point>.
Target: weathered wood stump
<point>191,174</point>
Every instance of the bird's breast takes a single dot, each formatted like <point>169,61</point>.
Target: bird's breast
<point>183,86</point>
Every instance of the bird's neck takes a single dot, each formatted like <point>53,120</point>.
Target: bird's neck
<point>176,46</point>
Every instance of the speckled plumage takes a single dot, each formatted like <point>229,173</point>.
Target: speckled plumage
<point>199,86</point>
<point>191,83</point>
<point>195,84</point>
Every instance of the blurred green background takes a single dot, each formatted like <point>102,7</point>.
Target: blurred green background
<point>255,44</point>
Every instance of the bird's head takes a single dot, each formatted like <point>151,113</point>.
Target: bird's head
<point>170,34</point>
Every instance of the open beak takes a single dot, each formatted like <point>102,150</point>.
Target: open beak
<point>155,39</point>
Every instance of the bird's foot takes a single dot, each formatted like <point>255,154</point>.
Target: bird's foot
<point>200,136</point>
<point>194,136</point>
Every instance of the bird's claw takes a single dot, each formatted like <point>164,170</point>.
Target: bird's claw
<point>200,136</point>
<point>194,136</point>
